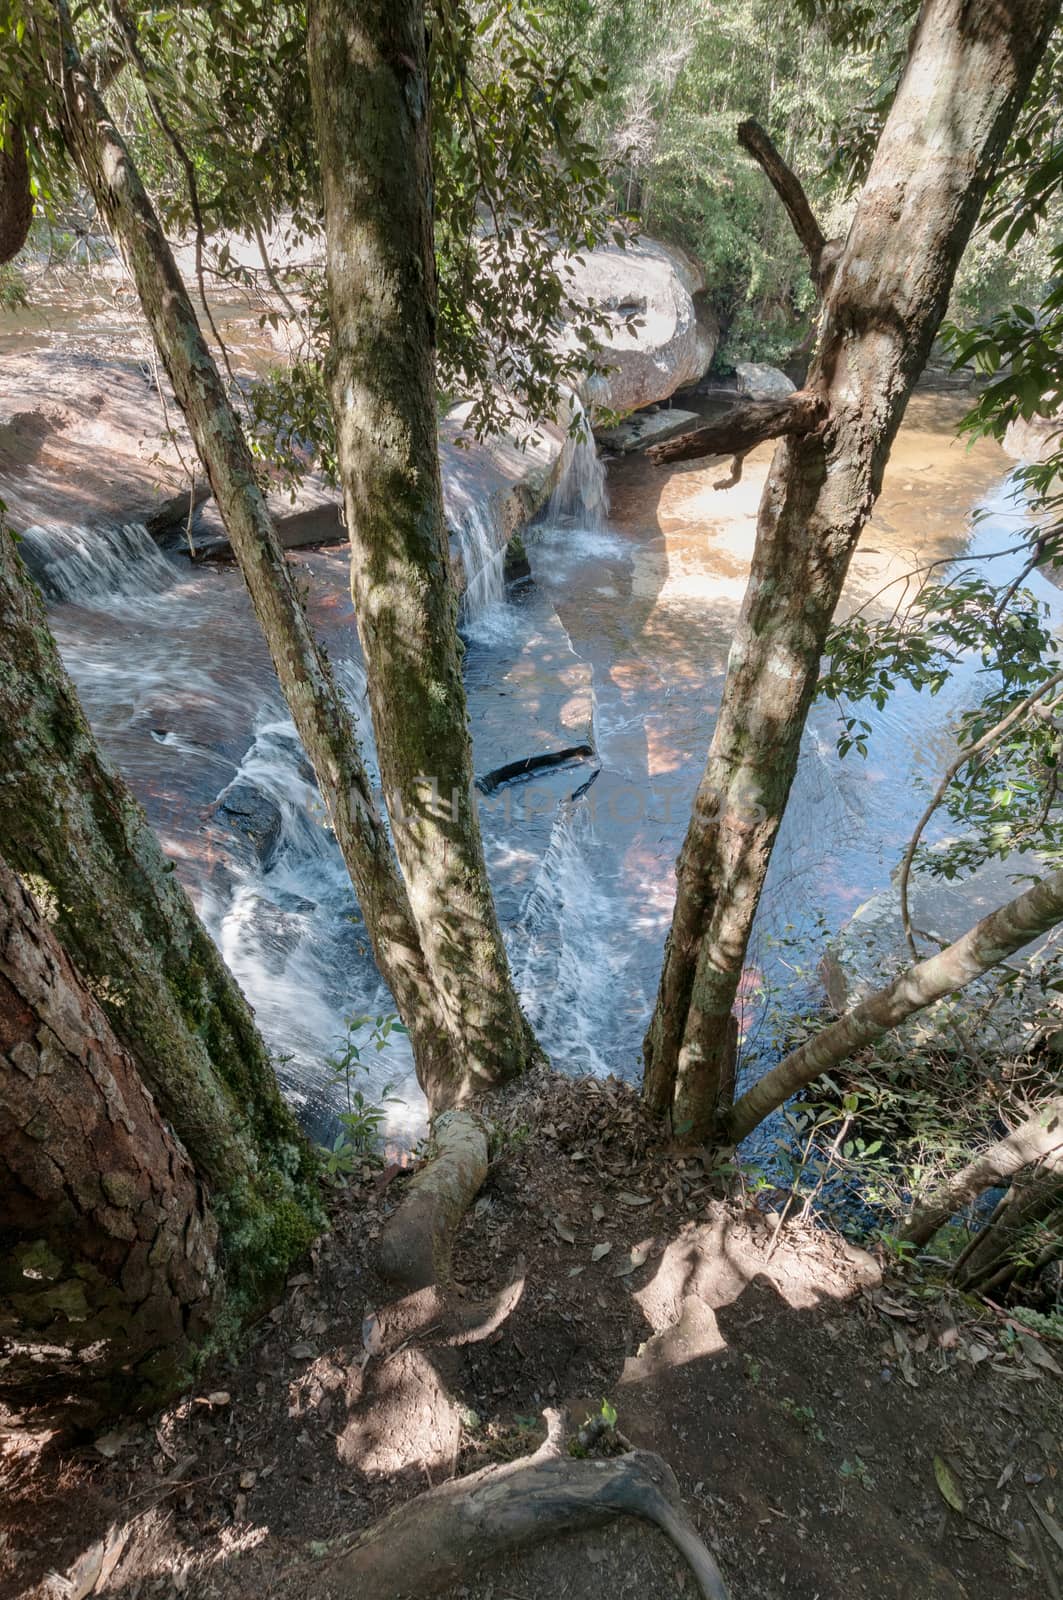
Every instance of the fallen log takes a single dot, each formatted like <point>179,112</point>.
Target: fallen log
<point>442,1536</point>
<point>742,427</point>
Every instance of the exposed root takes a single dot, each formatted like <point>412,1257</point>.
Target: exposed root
<point>436,1539</point>
<point>416,1245</point>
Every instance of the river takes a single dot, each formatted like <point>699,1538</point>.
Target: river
<point>617,645</point>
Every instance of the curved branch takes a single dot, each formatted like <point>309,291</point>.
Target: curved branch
<point>743,427</point>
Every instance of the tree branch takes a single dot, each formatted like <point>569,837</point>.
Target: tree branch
<point>992,940</point>
<point>738,430</point>
<point>822,253</point>
<point>1038,1139</point>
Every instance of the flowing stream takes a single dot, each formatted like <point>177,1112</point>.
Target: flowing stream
<point>605,667</point>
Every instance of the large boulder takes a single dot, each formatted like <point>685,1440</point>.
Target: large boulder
<point>1035,439</point>
<point>660,334</point>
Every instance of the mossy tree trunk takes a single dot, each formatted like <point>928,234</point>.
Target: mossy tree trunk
<point>108,1277</point>
<point>318,710</point>
<point>968,69</point>
<point>370,85</point>
<point>79,839</point>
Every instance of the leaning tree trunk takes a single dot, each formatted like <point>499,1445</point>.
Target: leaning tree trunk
<point>107,1271</point>
<point>76,835</point>
<point>1036,1142</point>
<point>369,81</point>
<point>1023,1237</point>
<point>318,710</point>
<point>968,69</point>
<point>1000,934</point>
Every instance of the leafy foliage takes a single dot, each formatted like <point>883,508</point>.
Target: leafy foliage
<point>363,1119</point>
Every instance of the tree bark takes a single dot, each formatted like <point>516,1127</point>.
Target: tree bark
<point>318,710</point>
<point>992,940</point>
<point>369,82</point>
<point>968,69</point>
<point>16,200</point>
<point>1038,1140</point>
<point>108,1279</point>
<point>435,1540</point>
<point>75,834</point>
<point>743,427</point>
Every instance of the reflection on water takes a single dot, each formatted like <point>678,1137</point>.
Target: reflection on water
<point>176,679</point>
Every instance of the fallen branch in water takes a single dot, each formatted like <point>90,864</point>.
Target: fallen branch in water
<point>738,430</point>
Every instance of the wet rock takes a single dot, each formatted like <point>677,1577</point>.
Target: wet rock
<point>253,816</point>
<point>759,381</point>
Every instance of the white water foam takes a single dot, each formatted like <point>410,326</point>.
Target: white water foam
<point>87,565</point>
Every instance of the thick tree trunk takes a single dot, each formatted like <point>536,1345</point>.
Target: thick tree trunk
<point>107,1272</point>
<point>992,940</point>
<point>16,200</point>
<point>318,710</point>
<point>968,69</point>
<point>369,80</point>
<point>1037,1141</point>
<point>75,834</point>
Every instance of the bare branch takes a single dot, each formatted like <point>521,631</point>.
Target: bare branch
<point>992,940</point>
<point>744,426</point>
<point>822,254</point>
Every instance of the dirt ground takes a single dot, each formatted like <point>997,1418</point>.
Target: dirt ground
<point>819,1419</point>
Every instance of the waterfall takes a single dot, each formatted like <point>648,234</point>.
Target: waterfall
<point>580,498</point>
<point>85,565</point>
<point>483,557</point>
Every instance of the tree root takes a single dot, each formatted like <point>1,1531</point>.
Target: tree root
<point>436,1539</point>
<point>417,1241</point>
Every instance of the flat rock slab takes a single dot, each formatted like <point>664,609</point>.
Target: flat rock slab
<point>646,428</point>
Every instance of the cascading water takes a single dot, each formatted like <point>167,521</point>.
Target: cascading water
<point>483,558</point>
<point>580,497</point>
<point>72,563</point>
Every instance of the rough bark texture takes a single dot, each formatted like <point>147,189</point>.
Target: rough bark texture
<point>16,201</point>
<point>318,710</point>
<point>107,1272</point>
<point>992,940</point>
<point>434,1541</point>
<point>369,79</point>
<point>1038,1140</point>
<point>74,833</point>
<point>743,427</point>
<point>968,69</point>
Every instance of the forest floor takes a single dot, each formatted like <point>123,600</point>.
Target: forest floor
<point>817,1415</point>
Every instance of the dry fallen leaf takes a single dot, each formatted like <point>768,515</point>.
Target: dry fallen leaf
<point>1035,1351</point>
<point>628,1199</point>
<point>600,1251</point>
<point>563,1231</point>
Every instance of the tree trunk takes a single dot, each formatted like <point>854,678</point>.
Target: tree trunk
<point>1023,1237</point>
<point>16,200</point>
<point>75,834</point>
<point>318,710</point>
<point>107,1272</point>
<point>992,940</point>
<point>967,72</point>
<point>369,80</point>
<point>1037,1141</point>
